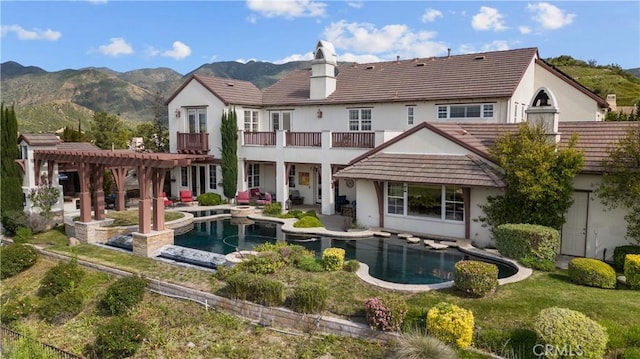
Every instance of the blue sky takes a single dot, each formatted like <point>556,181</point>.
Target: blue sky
<point>183,35</point>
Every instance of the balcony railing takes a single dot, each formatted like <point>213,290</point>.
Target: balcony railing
<point>196,143</point>
<point>260,138</point>
<point>304,139</point>
<point>353,139</point>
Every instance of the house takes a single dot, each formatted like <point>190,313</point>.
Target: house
<point>433,179</point>
<point>298,133</point>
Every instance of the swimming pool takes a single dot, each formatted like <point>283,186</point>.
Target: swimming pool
<point>389,259</point>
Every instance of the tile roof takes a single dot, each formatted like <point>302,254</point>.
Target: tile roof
<point>78,146</point>
<point>39,139</point>
<point>229,91</point>
<point>464,170</point>
<point>490,74</point>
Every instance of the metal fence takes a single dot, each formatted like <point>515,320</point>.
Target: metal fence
<point>8,338</point>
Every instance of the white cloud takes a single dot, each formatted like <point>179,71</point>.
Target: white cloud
<point>288,9</point>
<point>118,46</point>
<point>355,4</point>
<point>488,19</point>
<point>151,51</point>
<point>179,51</point>
<point>496,45</point>
<point>295,57</point>
<point>244,61</point>
<point>252,19</point>
<point>430,15</point>
<point>34,34</point>
<point>524,30</point>
<point>386,42</point>
<point>549,16</point>
<point>362,59</point>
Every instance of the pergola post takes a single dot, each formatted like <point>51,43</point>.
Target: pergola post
<point>158,202</point>
<point>98,192</point>
<point>144,210</point>
<point>50,167</point>
<point>84,175</point>
<point>36,172</point>
<point>118,177</point>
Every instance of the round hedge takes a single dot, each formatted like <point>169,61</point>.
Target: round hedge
<point>16,258</point>
<point>567,332</point>
<point>476,278</point>
<point>451,324</point>
<point>592,272</point>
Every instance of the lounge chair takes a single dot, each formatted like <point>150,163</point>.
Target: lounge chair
<point>266,199</point>
<point>243,197</point>
<point>186,196</point>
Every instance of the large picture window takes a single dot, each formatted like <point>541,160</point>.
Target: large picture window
<point>360,119</point>
<point>197,120</point>
<point>418,200</point>
<point>251,121</point>
<point>471,111</point>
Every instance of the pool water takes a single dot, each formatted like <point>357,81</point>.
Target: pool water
<point>389,259</point>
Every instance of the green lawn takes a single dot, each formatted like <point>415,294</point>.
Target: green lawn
<point>130,218</point>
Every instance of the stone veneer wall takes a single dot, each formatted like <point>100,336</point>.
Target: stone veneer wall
<point>150,244</point>
<point>269,316</point>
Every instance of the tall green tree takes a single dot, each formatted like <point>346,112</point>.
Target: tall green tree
<point>620,186</point>
<point>156,137</point>
<point>11,196</point>
<point>538,178</point>
<point>109,131</point>
<point>229,150</point>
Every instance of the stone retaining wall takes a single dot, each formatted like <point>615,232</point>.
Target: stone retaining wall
<point>268,316</point>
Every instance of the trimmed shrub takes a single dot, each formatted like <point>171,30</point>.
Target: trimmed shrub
<point>16,258</point>
<point>333,259</point>
<point>310,213</point>
<point>122,295</point>
<point>256,288</point>
<point>310,264</point>
<point>451,324</point>
<point>308,222</point>
<point>532,262</point>
<point>120,337</point>
<point>415,345</point>
<point>632,270</point>
<point>273,209</point>
<point>518,241</point>
<point>476,278</point>
<point>352,265</point>
<point>62,307</point>
<point>209,199</point>
<point>592,272</point>
<point>572,332</point>
<point>386,313</point>
<point>13,310</point>
<point>264,263</point>
<point>620,252</point>
<point>12,220</point>
<point>60,278</point>
<point>309,297</point>
<point>23,235</point>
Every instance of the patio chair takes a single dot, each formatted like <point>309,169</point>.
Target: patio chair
<point>266,199</point>
<point>243,197</point>
<point>167,201</point>
<point>295,198</point>
<point>186,196</point>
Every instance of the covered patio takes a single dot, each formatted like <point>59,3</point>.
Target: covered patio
<point>150,169</point>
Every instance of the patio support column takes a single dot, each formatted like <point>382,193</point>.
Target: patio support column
<point>378,185</point>
<point>118,177</point>
<point>158,201</point>
<point>84,175</point>
<point>144,211</point>
<point>466,197</point>
<point>282,186</point>
<point>50,170</point>
<point>98,191</point>
<point>36,172</point>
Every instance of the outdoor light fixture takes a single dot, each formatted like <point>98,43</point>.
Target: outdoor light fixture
<point>177,113</point>
<point>319,113</point>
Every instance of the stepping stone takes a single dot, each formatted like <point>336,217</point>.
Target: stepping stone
<point>434,245</point>
<point>382,234</point>
<point>413,240</point>
<point>404,235</point>
<point>449,243</point>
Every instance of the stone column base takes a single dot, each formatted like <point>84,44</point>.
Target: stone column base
<point>85,232</point>
<point>149,244</point>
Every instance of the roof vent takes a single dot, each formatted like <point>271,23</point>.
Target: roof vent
<point>370,67</point>
<point>420,64</point>
<point>230,84</point>
<point>481,57</point>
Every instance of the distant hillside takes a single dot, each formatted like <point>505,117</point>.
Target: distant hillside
<point>46,101</point>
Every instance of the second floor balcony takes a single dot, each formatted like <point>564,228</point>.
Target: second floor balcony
<point>193,143</point>
<point>358,140</point>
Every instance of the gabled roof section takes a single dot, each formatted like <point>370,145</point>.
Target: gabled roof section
<point>78,146</point>
<point>229,91</point>
<point>480,75</point>
<point>568,79</point>
<point>39,139</point>
<point>461,170</point>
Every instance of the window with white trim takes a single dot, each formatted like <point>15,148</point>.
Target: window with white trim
<point>251,121</point>
<point>253,175</point>
<point>281,120</point>
<point>292,176</point>
<point>410,114</point>
<point>197,119</point>
<point>419,200</point>
<point>470,111</point>
<point>184,176</point>
<point>360,119</point>
<point>213,177</point>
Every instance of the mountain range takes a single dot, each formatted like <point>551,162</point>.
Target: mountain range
<point>48,101</point>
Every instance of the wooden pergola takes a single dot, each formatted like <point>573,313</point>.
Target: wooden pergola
<point>150,169</point>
